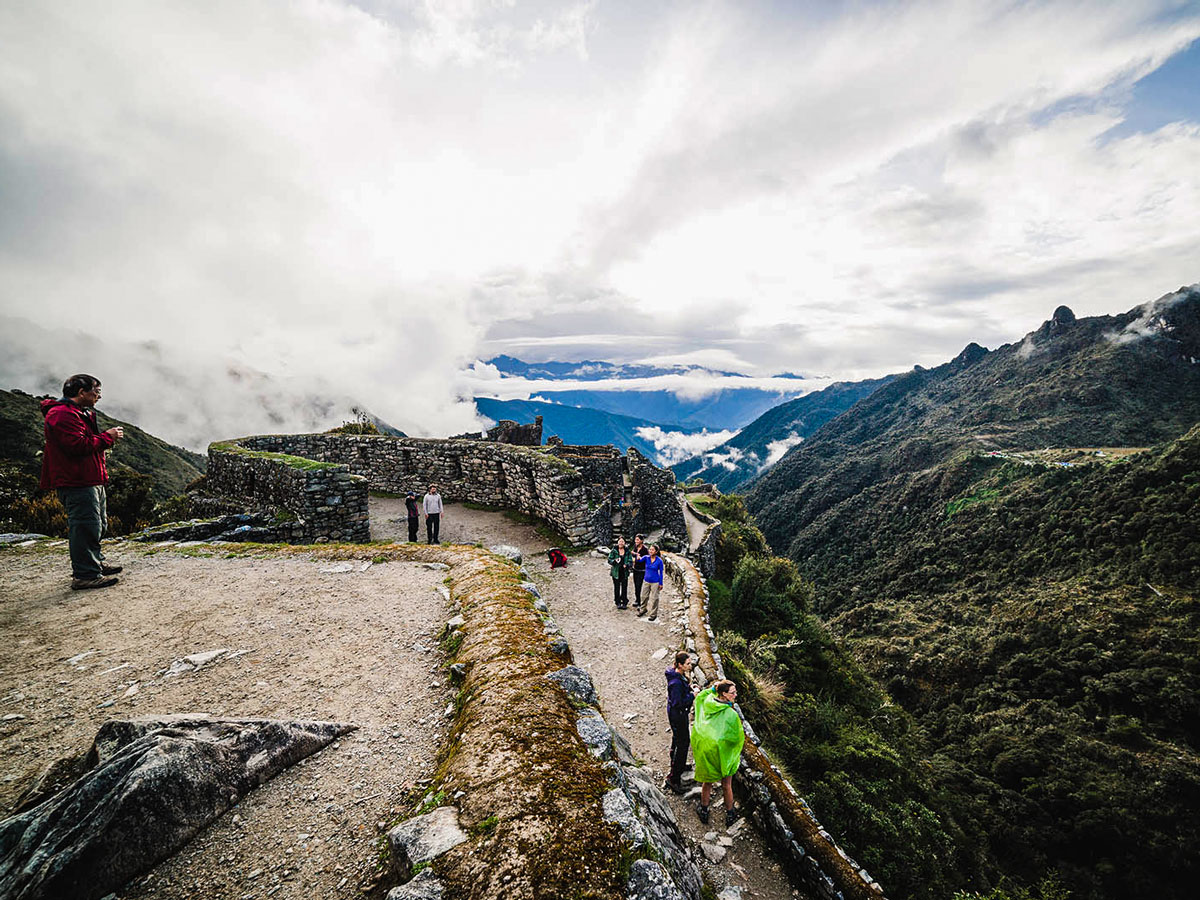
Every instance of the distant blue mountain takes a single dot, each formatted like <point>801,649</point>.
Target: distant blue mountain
<point>763,442</point>
<point>728,408</point>
<point>577,425</point>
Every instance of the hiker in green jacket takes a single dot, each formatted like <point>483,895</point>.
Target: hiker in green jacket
<point>717,739</point>
<point>620,562</point>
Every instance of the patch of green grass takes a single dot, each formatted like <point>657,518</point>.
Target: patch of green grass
<point>958,505</point>
<point>295,462</point>
<point>487,826</point>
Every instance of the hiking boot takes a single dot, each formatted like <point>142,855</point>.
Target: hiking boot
<point>110,570</point>
<point>702,812</point>
<point>674,787</point>
<point>732,815</point>
<point>87,584</point>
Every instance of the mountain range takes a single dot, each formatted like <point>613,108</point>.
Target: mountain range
<point>764,441</point>
<point>715,400</point>
<point>1010,544</point>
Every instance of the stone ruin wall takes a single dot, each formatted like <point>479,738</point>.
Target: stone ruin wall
<point>478,471</point>
<point>572,488</point>
<point>654,496</point>
<point>326,504</point>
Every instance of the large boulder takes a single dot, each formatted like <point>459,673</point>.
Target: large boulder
<point>146,787</point>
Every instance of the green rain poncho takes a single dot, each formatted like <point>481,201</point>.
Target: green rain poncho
<point>717,738</point>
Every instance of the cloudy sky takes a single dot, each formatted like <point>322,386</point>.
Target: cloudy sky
<point>206,203</point>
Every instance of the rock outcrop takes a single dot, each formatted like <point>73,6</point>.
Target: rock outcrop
<point>145,788</point>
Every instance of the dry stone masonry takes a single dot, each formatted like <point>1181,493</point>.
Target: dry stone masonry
<point>317,484</point>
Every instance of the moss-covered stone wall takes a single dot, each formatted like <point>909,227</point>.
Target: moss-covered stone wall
<point>572,488</point>
<point>317,502</point>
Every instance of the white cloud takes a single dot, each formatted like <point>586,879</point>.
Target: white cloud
<point>1150,322</point>
<point>777,449</point>
<point>692,385</point>
<point>676,446</point>
<point>368,195</point>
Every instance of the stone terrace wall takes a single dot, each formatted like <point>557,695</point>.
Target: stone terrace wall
<point>328,503</point>
<point>654,494</point>
<point>526,479</point>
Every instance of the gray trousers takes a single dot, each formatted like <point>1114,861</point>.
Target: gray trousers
<point>87,521</point>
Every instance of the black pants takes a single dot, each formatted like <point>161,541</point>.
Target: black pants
<point>681,741</point>
<point>638,578</point>
<point>433,522</point>
<point>413,524</point>
<point>621,590</point>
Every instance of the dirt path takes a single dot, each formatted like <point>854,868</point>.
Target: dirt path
<point>695,528</point>
<point>619,650</point>
<point>349,647</point>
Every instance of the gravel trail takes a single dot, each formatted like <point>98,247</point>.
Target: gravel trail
<point>348,647</point>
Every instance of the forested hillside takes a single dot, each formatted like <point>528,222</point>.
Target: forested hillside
<point>1034,610</point>
<point>1106,381</point>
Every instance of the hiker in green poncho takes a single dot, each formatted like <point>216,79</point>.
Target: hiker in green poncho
<point>717,739</point>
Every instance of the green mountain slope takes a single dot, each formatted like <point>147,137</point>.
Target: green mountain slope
<point>1127,380</point>
<point>22,438</point>
<point>742,457</point>
<point>1034,610</point>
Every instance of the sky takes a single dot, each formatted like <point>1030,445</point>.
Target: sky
<point>251,216</point>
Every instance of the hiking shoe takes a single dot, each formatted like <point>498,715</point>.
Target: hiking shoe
<point>641,612</point>
<point>674,787</point>
<point>732,815</point>
<point>652,618</point>
<point>702,812</point>
<point>87,584</point>
<point>110,570</point>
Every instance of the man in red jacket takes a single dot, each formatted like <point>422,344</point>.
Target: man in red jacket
<point>73,464</point>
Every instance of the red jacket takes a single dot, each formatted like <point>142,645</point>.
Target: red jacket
<point>75,446</point>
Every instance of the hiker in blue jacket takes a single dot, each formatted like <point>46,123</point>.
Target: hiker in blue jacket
<point>648,596</point>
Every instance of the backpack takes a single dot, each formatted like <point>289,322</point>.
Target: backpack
<point>558,559</point>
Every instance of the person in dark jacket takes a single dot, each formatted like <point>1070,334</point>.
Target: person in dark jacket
<point>73,465</point>
<point>640,552</point>
<point>620,562</point>
<point>679,703</point>
<point>414,516</point>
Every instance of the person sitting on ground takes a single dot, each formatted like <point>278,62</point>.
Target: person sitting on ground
<point>717,741</point>
<point>652,586</point>
<point>679,705</point>
<point>620,561</point>
<point>432,504</point>
<point>73,464</point>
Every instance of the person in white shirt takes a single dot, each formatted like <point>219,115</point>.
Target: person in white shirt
<point>433,514</point>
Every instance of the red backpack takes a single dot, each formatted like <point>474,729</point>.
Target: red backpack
<point>558,559</point>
